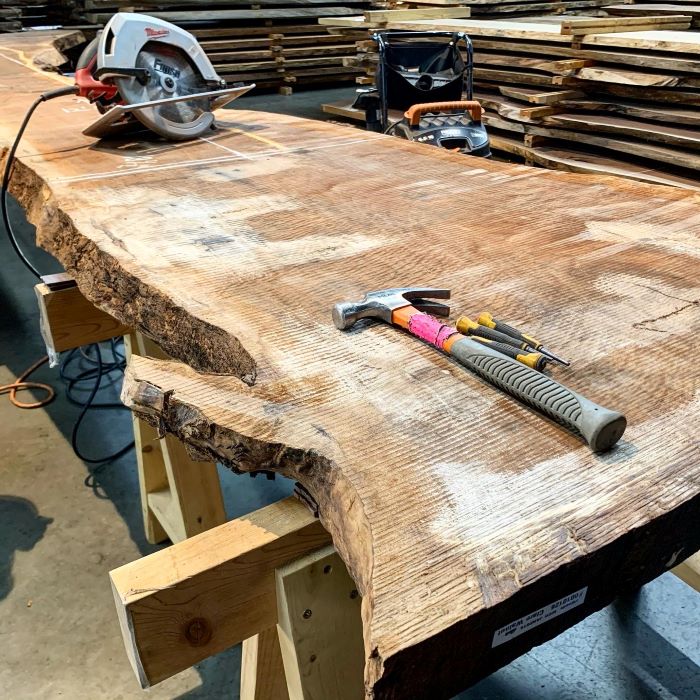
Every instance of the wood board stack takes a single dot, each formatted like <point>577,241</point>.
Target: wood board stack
<point>611,101</point>
<point>16,15</point>
<point>504,9</point>
<point>273,43</point>
<point>641,8</point>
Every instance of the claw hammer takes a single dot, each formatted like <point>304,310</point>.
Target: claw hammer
<point>600,427</point>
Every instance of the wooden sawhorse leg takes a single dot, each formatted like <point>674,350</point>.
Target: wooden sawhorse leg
<point>179,497</point>
<point>262,672</point>
<point>320,628</point>
<point>321,652</point>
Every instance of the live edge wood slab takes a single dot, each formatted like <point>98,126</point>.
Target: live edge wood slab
<point>457,510</point>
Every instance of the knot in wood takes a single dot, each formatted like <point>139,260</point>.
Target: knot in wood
<point>198,632</point>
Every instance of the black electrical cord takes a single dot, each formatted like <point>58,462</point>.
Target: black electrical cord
<point>51,94</point>
<point>99,370</point>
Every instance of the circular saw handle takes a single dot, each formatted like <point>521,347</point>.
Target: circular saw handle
<point>413,114</point>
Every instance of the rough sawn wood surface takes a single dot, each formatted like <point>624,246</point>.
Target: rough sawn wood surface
<point>456,509</point>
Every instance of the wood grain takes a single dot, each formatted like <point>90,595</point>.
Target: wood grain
<point>169,624</point>
<point>456,510</point>
<point>68,320</point>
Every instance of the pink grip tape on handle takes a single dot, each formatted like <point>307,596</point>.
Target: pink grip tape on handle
<point>430,329</point>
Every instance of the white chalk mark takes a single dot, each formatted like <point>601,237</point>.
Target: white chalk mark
<point>202,161</point>
<point>226,148</point>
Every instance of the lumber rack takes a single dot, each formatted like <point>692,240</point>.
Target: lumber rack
<point>270,580</point>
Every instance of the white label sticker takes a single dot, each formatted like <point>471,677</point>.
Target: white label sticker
<point>515,629</point>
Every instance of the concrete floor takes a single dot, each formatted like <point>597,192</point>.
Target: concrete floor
<point>63,526</point>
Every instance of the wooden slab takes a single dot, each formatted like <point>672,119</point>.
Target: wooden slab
<point>457,511</point>
<point>577,161</point>
<point>625,127</point>
<point>649,112</point>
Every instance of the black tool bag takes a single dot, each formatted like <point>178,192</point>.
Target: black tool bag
<point>416,72</point>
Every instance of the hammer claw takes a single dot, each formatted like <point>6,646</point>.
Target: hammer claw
<point>382,303</point>
<point>431,307</point>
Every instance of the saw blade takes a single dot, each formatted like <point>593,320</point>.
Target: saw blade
<point>170,75</point>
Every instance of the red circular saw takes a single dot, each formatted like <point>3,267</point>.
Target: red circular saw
<point>144,71</point>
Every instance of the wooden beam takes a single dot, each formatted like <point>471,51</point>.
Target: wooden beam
<point>320,628</point>
<point>209,592</point>
<point>68,320</point>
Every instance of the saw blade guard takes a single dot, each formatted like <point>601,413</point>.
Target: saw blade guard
<point>150,60</point>
<point>127,33</point>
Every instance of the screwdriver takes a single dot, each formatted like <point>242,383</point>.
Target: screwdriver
<point>486,319</point>
<point>531,359</point>
<point>468,327</point>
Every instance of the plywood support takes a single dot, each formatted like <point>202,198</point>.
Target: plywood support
<point>211,591</point>
<point>320,628</point>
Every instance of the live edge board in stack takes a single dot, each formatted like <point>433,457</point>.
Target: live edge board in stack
<point>16,15</point>
<point>274,43</point>
<point>582,94</point>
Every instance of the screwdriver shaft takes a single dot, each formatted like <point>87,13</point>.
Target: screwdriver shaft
<point>530,359</point>
<point>486,319</point>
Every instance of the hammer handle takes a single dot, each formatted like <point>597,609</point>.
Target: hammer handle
<point>600,427</point>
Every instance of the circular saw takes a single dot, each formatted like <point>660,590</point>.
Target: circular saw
<point>143,71</point>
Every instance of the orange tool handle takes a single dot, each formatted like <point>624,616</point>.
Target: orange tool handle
<point>413,114</point>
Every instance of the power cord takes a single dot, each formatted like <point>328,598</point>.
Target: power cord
<point>50,95</point>
<point>99,369</point>
<point>96,372</point>
<point>21,384</point>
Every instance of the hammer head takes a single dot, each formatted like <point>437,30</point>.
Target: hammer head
<point>381,304</point>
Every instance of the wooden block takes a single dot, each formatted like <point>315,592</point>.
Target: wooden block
<point>210,591</point>
<point>320,628</point>
<point>262,671</point>
<point>68,320</point>
<point>689,571</point>
<point>344,109</point>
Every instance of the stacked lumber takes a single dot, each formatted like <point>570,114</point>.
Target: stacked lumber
<point>643,8</point>
<point>274,43</point>
<point>504,9</point>
<point>16,15</point>
<point>619,102</point>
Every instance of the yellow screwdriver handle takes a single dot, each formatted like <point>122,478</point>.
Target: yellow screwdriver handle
<point>468,327</point>
<point>529,359</point>
<point>486,319</point>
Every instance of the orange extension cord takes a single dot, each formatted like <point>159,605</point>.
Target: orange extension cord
<point>22,385</point>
